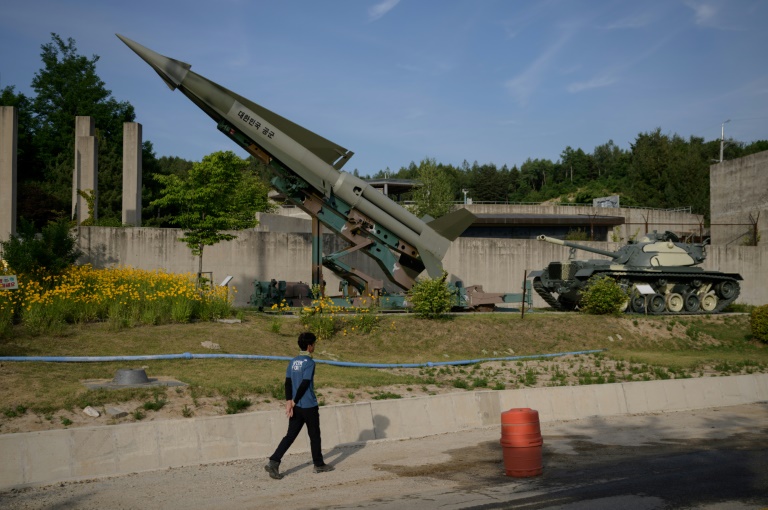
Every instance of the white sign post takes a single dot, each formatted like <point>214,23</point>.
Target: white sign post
<point>646,290</point>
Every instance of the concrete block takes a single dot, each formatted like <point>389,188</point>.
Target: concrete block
<point>93,451</point>
<point>48,456</point>
<point>254,433</point>
<point>463,412</point>
<point>412,417</point>
<point>13,465</point>
<point>137,447</point>
<point>178,443</point>
<point>218,439</point>
<point>488,407</point>
<point>738,390</point>
<point>557,403</point>
<point>609,399</point>
<point>761,382</point>
<point>516,399</point>
<point>344,424</point>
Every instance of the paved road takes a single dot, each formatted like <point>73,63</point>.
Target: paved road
<point>710,459</point>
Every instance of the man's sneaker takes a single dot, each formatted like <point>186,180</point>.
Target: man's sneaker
<point>273,469</point>
<point>324,468</point>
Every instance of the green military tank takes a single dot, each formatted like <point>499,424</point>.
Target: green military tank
<point>658,272</point>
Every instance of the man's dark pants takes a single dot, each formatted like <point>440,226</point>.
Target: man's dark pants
<point>310,416</point>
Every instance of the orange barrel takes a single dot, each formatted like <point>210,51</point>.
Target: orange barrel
<point>522,441</point>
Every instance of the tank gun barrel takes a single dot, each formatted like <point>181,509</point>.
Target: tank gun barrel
<point>552,240</point>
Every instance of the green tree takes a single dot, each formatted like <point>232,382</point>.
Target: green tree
<point>217,195</point>
<point>68,86</point>
<point>434,197</point>
<point>40,256</point>
<point>488,183</point>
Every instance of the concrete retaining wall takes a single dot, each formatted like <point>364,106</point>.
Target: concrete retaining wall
<point>499,265</point>
<point>36,458</point>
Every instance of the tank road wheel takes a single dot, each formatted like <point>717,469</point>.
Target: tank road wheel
<point>726,289</point>
<point>709,302</point>
<point>626,306</point>
<point>656,304</point>
<point>692,303</point>
<point>638,303</point>
<point>675,302</point>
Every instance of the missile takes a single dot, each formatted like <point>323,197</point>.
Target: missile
<point>315,159</point>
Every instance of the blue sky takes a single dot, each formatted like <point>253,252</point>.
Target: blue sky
<point>395,81</point>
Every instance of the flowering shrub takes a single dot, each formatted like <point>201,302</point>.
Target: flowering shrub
<point>123,296</point>
<point>603,296</point>
<point>325,318</point>
<point>431,297</point>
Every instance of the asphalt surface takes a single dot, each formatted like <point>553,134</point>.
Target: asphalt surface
<point>705,459</point>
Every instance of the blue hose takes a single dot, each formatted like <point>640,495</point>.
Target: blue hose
<point>187,355</point>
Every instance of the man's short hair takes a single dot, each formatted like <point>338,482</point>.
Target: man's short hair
<point>306,339</point>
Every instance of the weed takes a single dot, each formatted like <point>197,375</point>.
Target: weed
<point>531,376</point>
<point>385,395</point>
<point>277,390</point>
<point>138,415</point>
<point>14,412</point>
<point>480,382</point>
<point>460,383</point>
<point>187,411</point>
<point>154,405</point>
<point>66,421</point>
<point>235,405</point>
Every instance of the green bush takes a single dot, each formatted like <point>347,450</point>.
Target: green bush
<point>431,298</point>
<point>758,322</point>
<point>603,296</point>
<point>39,256</point>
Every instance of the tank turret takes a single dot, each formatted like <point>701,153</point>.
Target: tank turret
<point>652,250</point>
<point>659,262</point>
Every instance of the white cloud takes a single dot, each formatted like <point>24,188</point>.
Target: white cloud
<point>714,14</point>
<point>381,8</point>
<point>594,83</point>
<point>704,12</point>
<point>631,22</point>
<point>522,86</point>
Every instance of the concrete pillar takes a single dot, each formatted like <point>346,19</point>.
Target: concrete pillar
<point>132,174</point>
<point>85,176</point>
<point>9,121</point>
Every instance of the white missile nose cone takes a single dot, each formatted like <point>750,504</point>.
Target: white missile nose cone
<point>170,70</point>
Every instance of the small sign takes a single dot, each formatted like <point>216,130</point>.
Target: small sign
<point>8,282</point>
<point>645,289</point>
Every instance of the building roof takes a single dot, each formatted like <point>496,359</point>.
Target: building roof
<point>530,220</point>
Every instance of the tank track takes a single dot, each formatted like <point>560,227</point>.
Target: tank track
<point>546,295</point>
<point>722,303</point>
<point>643,277</point>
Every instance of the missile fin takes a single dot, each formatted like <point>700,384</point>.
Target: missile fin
<point>432,264</point>
<point>453,224</point>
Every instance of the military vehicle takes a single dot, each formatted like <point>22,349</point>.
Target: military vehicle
<point>657,271</point>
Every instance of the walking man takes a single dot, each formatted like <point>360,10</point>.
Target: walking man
<point>301,407</point>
